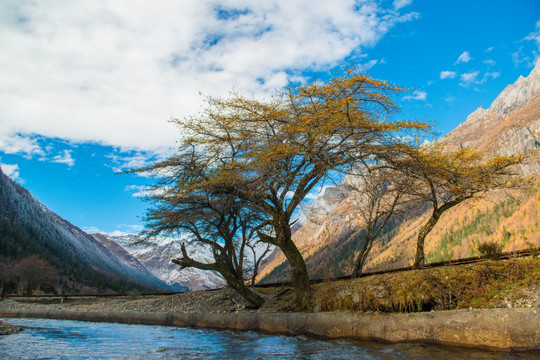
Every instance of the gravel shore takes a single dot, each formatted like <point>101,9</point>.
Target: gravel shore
<point>222,301</point>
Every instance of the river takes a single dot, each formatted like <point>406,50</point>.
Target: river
<point>62,339</point>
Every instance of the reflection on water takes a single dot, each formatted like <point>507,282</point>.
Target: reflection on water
<point>61,339</point>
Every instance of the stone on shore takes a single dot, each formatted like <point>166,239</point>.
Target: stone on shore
<point>8,329</point>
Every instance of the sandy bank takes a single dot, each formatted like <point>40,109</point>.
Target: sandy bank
<point>493,329</point>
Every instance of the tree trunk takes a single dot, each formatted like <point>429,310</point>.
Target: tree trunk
<point>424,231</point>
<point>225,268</point>
<point>299,273</point>
<point>252,297</point>
<point>361,258</point>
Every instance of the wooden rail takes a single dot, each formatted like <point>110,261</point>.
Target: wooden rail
<point>469,260</point>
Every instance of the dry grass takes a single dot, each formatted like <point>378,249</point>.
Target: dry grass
<point>480,285</point>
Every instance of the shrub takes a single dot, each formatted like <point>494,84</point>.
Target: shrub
<point>134,294</point>
<point>491,250</point>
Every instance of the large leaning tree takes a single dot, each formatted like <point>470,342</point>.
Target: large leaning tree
<point>211,218</point>
<point>444,179</point>
<point>273,153</point>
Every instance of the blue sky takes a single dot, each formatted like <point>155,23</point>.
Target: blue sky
<point>87,87</point>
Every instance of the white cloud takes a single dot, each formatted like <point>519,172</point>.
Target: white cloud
<point>519,57</point>
<point>370,64</point>
<point>316,192</point>
<point>535,35</point>
<point>473,78</point>
<point>417,95</point>
<point>131,228</point>
<point>492,75</point>
<point>92,230</point>
<point>489,75</point>
<point>524,53</point>
<point>114,72</point>
<point>64,158</point>
<point>465,57</point>
<point>126,230</point>
<point>139,191</point>
<point>124,161</point>
<point>491,48</point>
<point>20,144</point>
<point>450,99</point>
<point>490,62</point>
<point>29,146</point>
<point>448,74</point>
<point>469,78</point>
<point>398,4</point>
<point>12,171</point>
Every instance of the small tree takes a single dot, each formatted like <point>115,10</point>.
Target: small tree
<point>490,250</point>
<point>446,179</point>
<point>379,195</point>
<point>33,272</point>
<point>259,251</point>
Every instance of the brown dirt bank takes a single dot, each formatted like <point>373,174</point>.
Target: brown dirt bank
<point>493,329</point>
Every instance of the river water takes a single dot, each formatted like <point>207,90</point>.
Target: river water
<point>62,339</point>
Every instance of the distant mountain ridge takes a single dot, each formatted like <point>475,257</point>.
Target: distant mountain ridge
<point>58,241</point>
<point>156,257</point>
<point>511,125</point>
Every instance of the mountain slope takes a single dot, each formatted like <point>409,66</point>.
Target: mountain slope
<point>511,125</point>
<point>29,228</point>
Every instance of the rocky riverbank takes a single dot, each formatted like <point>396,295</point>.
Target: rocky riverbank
<point>495,305</point>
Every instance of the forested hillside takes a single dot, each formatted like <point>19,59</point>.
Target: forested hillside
<point>73,259</point>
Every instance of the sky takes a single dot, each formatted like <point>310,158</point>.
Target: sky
<point>87,87</point>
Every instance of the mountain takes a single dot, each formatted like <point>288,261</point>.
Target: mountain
<point>511,125</point>
<point>28,228</point>
<point>156,257</point>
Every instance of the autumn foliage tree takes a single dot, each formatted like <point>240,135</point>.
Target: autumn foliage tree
<point>272,154</point>
<point>209,217</point>
<point>445,179</point>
